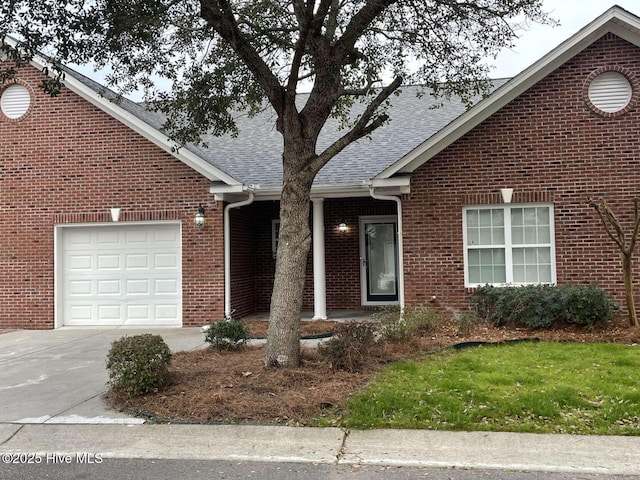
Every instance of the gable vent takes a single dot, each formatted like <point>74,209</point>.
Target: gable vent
<point>15,101</point>
<point>610,92</point>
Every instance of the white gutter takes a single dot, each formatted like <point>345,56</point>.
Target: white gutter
<point>227,252</point>
<point>398,201</point>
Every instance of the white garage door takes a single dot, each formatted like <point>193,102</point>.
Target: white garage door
<point>121,275</point>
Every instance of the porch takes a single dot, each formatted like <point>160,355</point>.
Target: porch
<point>351,270</point>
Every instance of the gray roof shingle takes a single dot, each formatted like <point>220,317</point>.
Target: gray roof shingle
<point>255,155</point>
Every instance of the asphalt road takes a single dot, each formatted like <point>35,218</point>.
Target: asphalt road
<point>128,469</point>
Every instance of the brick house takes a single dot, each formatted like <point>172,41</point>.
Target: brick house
<point>436,203</point>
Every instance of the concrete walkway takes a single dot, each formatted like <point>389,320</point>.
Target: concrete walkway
<point>51,384</point>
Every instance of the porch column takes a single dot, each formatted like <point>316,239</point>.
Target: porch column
<point>319,273</point>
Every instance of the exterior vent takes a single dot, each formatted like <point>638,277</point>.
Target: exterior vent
<point>15,101</point>
<point>610,92</point>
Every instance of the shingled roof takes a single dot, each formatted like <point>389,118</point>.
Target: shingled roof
<point>254,157</point>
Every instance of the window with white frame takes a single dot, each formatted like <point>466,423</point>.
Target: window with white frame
<point>508,244</point>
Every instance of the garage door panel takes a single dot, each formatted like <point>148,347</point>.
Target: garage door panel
<point>77,238</point>
<point>80,288</point>
<point>137,261</point>
<point>116,275</point>
<point>138,287</point>
<point>109,287</point>
<point>166,235</point>
<point>137,236</point>
<point>81,263</point>
<point>80,314</point>
<point>105,237</point>
<point>166,287</point>
<point>109,262</point>
<point>109,313</point>
<point>138,312</point>
<point>166,312</point>
<point>166,260</point>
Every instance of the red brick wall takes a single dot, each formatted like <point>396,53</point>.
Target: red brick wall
<point>68,162</point>
<point>549,146</point>
<point>243,261</point>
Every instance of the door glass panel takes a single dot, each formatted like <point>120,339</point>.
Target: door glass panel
<point>381,256</point>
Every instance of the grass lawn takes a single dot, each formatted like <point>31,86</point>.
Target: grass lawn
<point>524,387</point>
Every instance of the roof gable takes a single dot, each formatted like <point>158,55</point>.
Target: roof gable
<point>616,20</point>
<point>133,116</point>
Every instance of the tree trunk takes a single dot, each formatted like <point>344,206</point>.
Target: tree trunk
<point>294,242</point>
<point>628,289</point>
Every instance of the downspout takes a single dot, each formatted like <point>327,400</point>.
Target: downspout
<point>227,252</point>
<point>398,201</point>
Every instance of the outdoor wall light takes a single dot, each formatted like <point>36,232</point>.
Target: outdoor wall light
<point>342,226</point>
<point>199,220</point>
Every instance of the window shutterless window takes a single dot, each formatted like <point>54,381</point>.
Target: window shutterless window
<point>509,244</point>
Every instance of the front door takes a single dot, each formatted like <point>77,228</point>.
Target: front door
<point>379,260</point>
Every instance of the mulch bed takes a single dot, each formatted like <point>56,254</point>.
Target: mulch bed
<point>258,328</point>
<point>206,386</point>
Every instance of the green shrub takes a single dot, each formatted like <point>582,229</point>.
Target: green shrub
<point>138,364</point>
<point>542,306</point>
<point>415,320</point>
<point>589,305</point>
<point>227,334</point>
<point>349,347</point>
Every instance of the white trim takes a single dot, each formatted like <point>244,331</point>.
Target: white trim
<point>615,20</point>
<point>396,187</point>
<point>319,267</point>
<point>508,246</point>
<point>363,269</point>
<point>58,273</point>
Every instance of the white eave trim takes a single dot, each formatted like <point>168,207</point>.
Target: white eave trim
<point>139,126</point>
<point>615,20</point>
<point>392,186</point>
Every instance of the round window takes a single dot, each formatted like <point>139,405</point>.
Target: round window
<point>15,101</point>
<point>610,92</point>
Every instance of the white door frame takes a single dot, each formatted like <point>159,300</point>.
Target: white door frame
<point>363,266</point>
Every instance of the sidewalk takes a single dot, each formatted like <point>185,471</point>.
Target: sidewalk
<point>51,386</point>
<point>505,451</point>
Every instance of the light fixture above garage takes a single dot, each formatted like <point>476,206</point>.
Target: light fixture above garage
<point>199,220</point>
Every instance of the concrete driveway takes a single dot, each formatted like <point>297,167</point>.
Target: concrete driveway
<point>59,376</point>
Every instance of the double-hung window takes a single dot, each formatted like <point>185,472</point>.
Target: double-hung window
<point>509,244</point>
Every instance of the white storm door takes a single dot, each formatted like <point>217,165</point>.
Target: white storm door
<point>122,275</point>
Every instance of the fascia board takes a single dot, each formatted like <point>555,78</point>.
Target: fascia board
<point>153,135</point>
<point>615,20</point>
<point>404,181</point>
<point>345,191</point>
<point>396,187</point>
